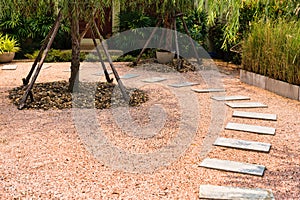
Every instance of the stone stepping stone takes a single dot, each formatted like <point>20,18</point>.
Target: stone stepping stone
<point>154,79</point>
<point>183,84</point>
<point>251,128</point>
<point>102,73</point>
<point>232,166</point>
<point>128,76</point>
<point>67,70</point>
<point>9,67</point>
<point>46,66</point>
<point>230,98</point>
<point>226,192</point>
<point>208,90</point>
<point>243,144</point>
<point>247,105</point>
<point>255,115</point>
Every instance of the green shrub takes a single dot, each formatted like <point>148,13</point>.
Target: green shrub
<point>55,55</point>
<point>8,44</point>
<point>31,31</point>
<point>273,49</point>
<point>196,22</point>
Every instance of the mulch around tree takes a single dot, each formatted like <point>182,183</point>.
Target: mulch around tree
<point>55,95</point>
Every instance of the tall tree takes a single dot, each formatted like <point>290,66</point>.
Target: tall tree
<point>227,11</point>
<point>73,10</point>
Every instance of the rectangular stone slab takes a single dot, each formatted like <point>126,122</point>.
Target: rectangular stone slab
<point>46,66</point>
<point>102,73</point>
<point>154,79</point>
<point>247,105</point>
<point>254,115</point>
<point>208,90</point>
<point>232,166</point>
<point>251,128</point>
<point>184,84</point>
<point>230,98</point>
<point>128,76</point>
<point>9,67</point>
<point>226,192</point>
<point>243,144</point>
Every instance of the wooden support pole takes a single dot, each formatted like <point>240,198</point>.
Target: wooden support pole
<point>37,59</point>
<point>191,40</point>
<point>179,63</point>
<point>147,43</point>
<point>39,67</point>
<point>87,27</point>
<point>121,86</point>
<point>108,79</point>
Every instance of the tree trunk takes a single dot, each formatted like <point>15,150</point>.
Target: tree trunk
<point>75,36</point>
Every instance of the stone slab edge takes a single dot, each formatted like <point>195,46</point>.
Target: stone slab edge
<point>278,87</point>
<point>226,192</point>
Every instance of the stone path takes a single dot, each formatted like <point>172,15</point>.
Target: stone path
<point>184,84</point>
<point>243,144</point>
<point>255,115</point>
<point>9,67</point>
<point>230,98</point>
<point>224,192</point>
<point>251,128</point>
<point>247,105</point>
<point>154,79</point>
<point>209,90</point>
<point>232,166</point>
<point>128,76</point>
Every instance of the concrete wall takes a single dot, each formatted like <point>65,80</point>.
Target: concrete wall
<point>278,87</point>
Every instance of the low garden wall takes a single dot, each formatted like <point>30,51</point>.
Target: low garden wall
<point>279,87</point>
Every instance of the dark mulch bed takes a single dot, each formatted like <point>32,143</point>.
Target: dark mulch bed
<point>55,95</point>
<point>151,64</point>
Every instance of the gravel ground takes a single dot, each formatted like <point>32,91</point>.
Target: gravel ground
<point>44,157</point>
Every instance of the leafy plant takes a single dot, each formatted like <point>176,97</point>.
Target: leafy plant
<point>196,22</point>
<point>31,30</point>
<point>229,13</point>
<point>134,19</point>
<point>8,44</point>
<point>273,49</point>
<point>56,55</point>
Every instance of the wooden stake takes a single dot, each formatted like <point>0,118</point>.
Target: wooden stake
<point>179,63</point>
<point>147,43</point>
<point>39,67</point>
<point>37,59</point>
<point>121,86</point>
<point>108,79</point>
<point>191,40</point>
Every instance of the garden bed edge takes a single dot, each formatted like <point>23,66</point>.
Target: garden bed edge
<point>278,87</point>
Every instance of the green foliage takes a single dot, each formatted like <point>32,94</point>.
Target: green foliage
<point>30,21</point>
<point>55,55</point>
<point>30,31</point>
<point>133,19</point>
<point>124,58</point>
<point>273,49</point>
<point>229,13</point>
<point>196,22</point>
<point>160,8</point>
<point>8,44</point>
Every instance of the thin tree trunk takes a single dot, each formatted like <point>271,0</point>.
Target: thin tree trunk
<point>75,36</point>
<point>169,36</point>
